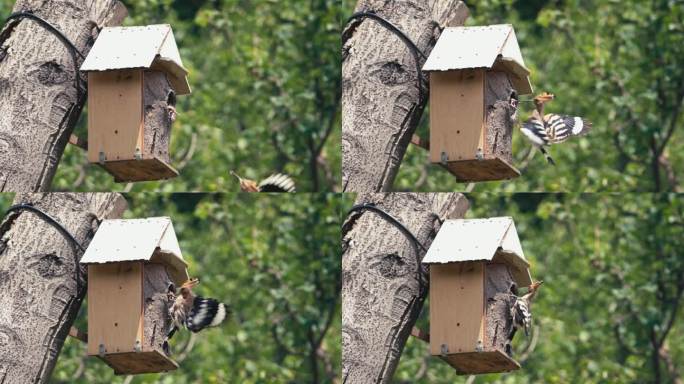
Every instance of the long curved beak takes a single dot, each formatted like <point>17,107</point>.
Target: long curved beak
<point>190,283</point>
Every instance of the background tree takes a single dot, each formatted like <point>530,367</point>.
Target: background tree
<point>266,85</point>
<point>275,260</point>
<point>617,64</point>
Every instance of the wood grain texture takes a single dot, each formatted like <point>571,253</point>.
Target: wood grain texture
<point>38,96</point>
<point>115,114</point>
<point>456,307</point>
<point>457,118</point>
<point>115,306</point>
<point>381,101</point>
<point>383,283</point>
<point>38,279</point>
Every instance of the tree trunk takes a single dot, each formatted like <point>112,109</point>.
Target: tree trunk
<point>381,102</point>
<point>41,296</point>
<point>38,96</point>
<point>383,283</point>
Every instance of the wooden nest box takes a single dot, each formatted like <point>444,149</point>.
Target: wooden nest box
<point>132,265</point>
<point>475,266</point>
<point>475,72</point>
<point>134,76</point>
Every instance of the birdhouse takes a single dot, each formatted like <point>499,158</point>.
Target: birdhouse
<point>132,267</point>
<point>476,73</point>
<point>134,76</point>
<point>475,267</point>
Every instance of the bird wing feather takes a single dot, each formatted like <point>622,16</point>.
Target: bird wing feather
<point>277,183</point>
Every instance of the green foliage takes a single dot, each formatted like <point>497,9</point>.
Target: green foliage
<point>614,277</point>
<point>275,260</point>
<point>618,64</point>
<point>265,77</point>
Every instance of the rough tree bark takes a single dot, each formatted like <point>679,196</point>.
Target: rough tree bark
<point>383,283</point>
<point>381,102</point>
<point>157,304</point>
<point>499,301</point>
<point>38,96</point>
<point>157,97</point>
<point>41,297</point>
<point>499,139</point>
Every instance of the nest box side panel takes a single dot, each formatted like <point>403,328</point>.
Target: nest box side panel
<point>499,299</point>
<point>114,114</point>
<point>115,307</point>
<point>499,125</point>
<point>158,96</point>
<point>156,283</point>
<point>456,114</point>
<point>456,307</point>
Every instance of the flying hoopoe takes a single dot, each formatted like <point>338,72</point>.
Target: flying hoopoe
<point>194,312</point>
<point>277,182</point>
<point>521,316</point>
<point>543,130</point>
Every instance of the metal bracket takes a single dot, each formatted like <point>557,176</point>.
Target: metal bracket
<point>479,347</point>
<point>444,158</point>
<point>137,347</point>
<point>138,154</point>
<point>103,157</point>
<point>479,155</point>
<point>444,350</point>
<point>102,350</point>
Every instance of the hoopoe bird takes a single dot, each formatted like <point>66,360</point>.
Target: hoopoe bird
<point>194,312</point>
<point>521,316</point>
<point>173,114</point>
<point>277,182</point>
<point>543,130</point>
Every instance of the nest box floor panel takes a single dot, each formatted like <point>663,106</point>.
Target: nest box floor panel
<point>481,362</point>
<point>133,363</point>
<point>140,170</point>
<point>482,170</point>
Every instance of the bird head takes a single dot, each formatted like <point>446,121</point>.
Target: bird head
<point>534,286</point>
<point>544,97</point>
<point>186,288</point>
<point>246,185</point>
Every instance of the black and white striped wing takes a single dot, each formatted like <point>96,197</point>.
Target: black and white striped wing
<point>535,131</point>
<point>205,313</point>
<point>560,127</point>
<point>522,317</point>
<point>277,183</point>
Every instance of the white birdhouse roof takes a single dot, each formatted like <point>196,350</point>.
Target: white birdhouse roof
<point>149,47</point>
<point>490,239</point>
<point>152,239</point>
<point>481,47</point>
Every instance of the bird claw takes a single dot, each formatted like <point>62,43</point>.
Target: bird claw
<point>165,347</point>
